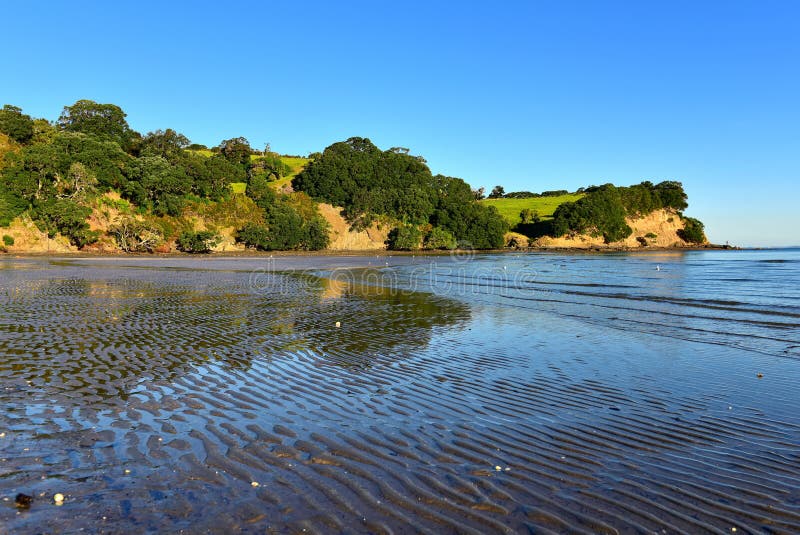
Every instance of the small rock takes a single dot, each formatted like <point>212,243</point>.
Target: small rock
<point>23,501</point>
<point>759,375</point>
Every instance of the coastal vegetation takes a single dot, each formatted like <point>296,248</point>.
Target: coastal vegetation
<point>93,180</point>
<point>372,184</point>
<point>596,211</point>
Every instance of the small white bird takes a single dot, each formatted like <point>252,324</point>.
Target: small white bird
<point>658,268</point>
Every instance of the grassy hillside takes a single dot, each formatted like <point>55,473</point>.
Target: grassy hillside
<point>510,208</point>
<point>296,164</point>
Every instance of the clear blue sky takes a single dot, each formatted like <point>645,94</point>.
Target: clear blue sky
<point>530,95</point>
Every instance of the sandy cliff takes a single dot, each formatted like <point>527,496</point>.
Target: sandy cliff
<point>658,229</point>
<point>344,239</point>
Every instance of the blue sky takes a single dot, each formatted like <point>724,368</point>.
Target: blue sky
<point>529,95</point>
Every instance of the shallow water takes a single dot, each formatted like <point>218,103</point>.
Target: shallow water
<point>530,392</point>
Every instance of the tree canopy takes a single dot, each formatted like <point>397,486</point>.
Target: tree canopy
<point>106,121</point>
<point>16,124</point>
<point>603,210</point>
<point>368,182</point>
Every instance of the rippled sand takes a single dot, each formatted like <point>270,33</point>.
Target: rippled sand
<point>204,396</point>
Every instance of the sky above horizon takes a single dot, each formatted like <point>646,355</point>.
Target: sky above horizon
<point>528,95</point>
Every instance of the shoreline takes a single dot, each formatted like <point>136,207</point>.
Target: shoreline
<point>369,252</point>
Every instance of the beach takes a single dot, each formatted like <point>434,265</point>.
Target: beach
<point>464,393</point>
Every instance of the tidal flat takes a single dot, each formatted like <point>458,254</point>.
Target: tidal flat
<point>534,392</point>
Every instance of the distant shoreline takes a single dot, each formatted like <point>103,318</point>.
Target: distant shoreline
<point>375,252</point>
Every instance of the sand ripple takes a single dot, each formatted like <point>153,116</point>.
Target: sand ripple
<point>155,399</point>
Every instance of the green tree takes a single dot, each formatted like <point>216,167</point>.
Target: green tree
<point>66,217</point>
<point>254,235</point>
<point>693,231</point>
<point>105,121</point>
<point>528,216</point>
<point>497,192</point>
<point>165,143</point>
<point>316,234</point>
<point>237,151</point>
<point>600,213</point>
<point>16,124</point>
<point>404,238</point>
<point>439,238</point>
<point>151,178</point>
<point>11,206</point>
<point>197,241</point>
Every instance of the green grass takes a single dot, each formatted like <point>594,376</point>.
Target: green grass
<point>238,187</point>
<point>296,164</point>
<point>202,152</point>
<point>510,208</point>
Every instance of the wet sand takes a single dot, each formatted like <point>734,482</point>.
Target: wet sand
<point>220,396</point>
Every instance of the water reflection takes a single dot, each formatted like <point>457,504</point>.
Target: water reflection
<point>95,340</point>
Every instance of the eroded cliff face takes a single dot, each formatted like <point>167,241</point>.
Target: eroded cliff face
<point>657,229</point>
<point>29,239</point>
<point>344,239</point>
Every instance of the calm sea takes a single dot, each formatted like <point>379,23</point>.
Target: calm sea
<point>488,393</point>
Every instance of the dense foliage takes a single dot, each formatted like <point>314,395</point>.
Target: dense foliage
<point>439,238</point>
<point>58,172</point>
<point>603,210</point>
<point>693,231</point>
<point>152,188</point>
<point>202,241</point>
<point>16,124</point>
<point>368,182</point>
<point>404,238</point>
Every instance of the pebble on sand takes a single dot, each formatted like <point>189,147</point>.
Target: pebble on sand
<point>23,501</point>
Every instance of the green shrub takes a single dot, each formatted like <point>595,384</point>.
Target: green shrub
<point>66,217</point>
<point>255,236</point>
<point>651,236</point>
<point>693,231</point>
<point>316,236</point>
<point>439,238</point>
<point>197,241</point>
<point>528,216</point>
<point>168,204</point>
<point>404,238</point>
<point>8,240</point>
<point>286,230</point>
<point>11,206</point>
<point>16,124</point>
<point>600,213</point>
